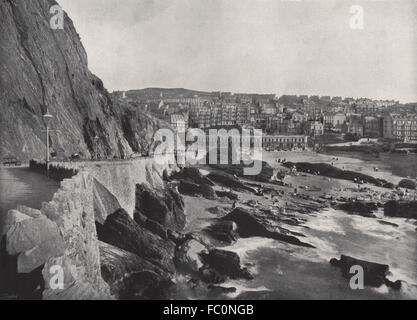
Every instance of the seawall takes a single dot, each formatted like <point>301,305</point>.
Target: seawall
<point>89,196</point>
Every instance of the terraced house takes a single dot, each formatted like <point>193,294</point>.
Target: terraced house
<point>402,127</point>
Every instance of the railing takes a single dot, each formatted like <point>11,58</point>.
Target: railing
<point>55,172</point>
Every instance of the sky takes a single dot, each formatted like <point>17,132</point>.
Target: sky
<point>253,46</point>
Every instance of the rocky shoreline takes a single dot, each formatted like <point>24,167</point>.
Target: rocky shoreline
<point>152,254</point>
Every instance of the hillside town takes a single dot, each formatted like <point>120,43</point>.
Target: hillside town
<point>290,118</point>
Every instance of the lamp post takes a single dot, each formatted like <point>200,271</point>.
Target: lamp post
<point>96,138</point>
<point>47,117</point>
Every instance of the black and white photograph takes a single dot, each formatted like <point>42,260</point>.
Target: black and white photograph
<point>229,151</point>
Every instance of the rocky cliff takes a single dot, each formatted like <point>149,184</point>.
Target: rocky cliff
<point>42,68</point>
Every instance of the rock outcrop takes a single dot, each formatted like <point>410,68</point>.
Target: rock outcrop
<point>248,226</point>
<point>121,231</point>
<point>117,265</point>
<point>238,169</point>
<point>224,231</point>
<point>360,208</point>
<point>374,274</point>
<point>105,202</point>
<point>188,256</point>
<point>228,180</point>
<point>164,205</point>
<point>226,263</point>
<point>192,189</point>
<point>401,209</point>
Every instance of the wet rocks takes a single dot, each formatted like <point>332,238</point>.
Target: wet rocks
<point>13,217</point>
<point>224,231</point>
<point>374,273</point>
<point>407,184</point>
<point>226,263</point>
<point>164,206</point>
<point>29,233</point>
<point>187,256</point>
<point>118,264</point>
<point>401,209</point>
<point>192,189</point>
<point>249,226</point>
<point>34,241</point>
<point>210,275</point>
<point>360,208</point>
<point>122,231</point>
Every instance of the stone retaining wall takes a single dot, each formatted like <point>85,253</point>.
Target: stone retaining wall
<point>89,196</point>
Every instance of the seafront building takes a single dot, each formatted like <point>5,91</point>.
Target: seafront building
<point>288,115</point>
<point>400,127</point>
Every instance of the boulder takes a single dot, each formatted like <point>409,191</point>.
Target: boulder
<point>33,213</point>
<point>401,209</point>
<point>164,206</point>
<point>360,208</point>
<point>29,233</point>
<point>374,273</point>
<point>13,217</point>
<point>116,263</point>
<point>224,231</point>
<point>248,226</point>
<point>226,262</point>
<point>37,256</point>
<point>187,256</point>
<point>407,184</point>
<point>192,189</point>
<point>122,231</point>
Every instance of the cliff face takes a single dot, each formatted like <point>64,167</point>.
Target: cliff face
<point>43,68</point>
